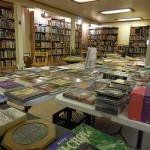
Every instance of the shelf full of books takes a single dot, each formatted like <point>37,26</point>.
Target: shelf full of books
<point>138,41</point>
<point>7,39</point>
<point>50,35</point>
<point>78,37</point>
<point>104,39</point>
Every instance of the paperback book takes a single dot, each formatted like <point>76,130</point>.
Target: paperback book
<point>9,118</point>
<point>26,93</point>
<point>3,98</point>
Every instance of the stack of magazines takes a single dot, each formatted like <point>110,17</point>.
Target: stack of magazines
<point>111,100</point>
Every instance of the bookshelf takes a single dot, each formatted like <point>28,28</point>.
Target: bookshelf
<point>104,39</point>
<point>7,39</point>
<point>138,41</point>
<point>50,35</point>
<point>78,37</point>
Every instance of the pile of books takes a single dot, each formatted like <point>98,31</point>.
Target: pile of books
<point>111,100</point>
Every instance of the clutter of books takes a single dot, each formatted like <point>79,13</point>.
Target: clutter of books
<point>109,87</point>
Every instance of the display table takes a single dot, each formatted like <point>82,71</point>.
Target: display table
<point>121,119</point>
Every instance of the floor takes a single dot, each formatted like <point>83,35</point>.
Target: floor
<point>46,109</point>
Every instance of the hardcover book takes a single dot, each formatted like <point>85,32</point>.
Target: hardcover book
<point>9,118</point>
<point>81,95</point>
<point>26,93</point>
<point>88,137</point>
<point>59,82</point>
<point>136,103</point>
<point>95,86</point>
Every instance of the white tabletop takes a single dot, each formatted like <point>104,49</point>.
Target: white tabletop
<point>90,109</point>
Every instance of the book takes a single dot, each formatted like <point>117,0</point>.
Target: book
<point>59,82</point>
<point>9,85</point>
<point>86,136</point>
<point>3,98</point>
<point>136,103</point>
<point>81,95</point>
<point>9,118</point>
<point>95,86</point>
<point>31,134</point>
<point>108,91</point>
<point>26,93</point>
<point>60,141</point>
<point>52,88</point>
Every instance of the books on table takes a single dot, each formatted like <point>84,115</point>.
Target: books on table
<point>9,118</point>
<point>25,94</point>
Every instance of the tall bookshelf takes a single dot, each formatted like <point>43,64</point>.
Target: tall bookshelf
<point>53,37</point>
<point>78,37</point>
<point>104,39</point>
<point>7,39</point>
<point>138,41</point>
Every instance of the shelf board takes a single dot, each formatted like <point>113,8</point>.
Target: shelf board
<point>57,48</point>
<point>1,38</point>
<point>42,32</point>
<point>7,48</point>
<point>42,48</point>
<point>57,34</point>
<point>7,28</point>
<point>43,40</point>
<point>3,17</point>
<point>138,40</point>
<point>7,57</point>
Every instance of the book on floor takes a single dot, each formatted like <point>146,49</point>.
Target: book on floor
<point>9,118</point>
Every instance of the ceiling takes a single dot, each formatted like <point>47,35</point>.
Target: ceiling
<point>90,10</point>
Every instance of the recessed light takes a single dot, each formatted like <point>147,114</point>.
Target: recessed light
<point>116,11</point>
<point>129,19</point>
<point>84,1</point>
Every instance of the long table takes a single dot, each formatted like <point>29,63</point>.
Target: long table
<point>121,118</point>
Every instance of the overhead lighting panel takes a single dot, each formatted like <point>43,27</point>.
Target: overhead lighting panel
<point>84,1</point>
<point>129,19</point>
<point>116,11</point>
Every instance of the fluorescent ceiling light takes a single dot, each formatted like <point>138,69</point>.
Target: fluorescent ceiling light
<point>116,11</point>
<point>84,1</point>
<point>129,19</point>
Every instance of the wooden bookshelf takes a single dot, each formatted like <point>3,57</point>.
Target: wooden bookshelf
<point>7,39</point>
<point>138,41</point>
<point>50,35</point>
<point>78,37</point>
<point>104,39</point>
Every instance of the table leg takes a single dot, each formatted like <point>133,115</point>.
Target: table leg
<point>92,121</point>
<point>139,140</point>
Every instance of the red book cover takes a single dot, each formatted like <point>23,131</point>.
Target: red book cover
<point>136,103</point>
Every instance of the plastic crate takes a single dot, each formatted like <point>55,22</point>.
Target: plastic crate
<point>70,118</point>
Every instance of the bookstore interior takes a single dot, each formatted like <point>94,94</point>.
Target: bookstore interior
<point>65,80</point>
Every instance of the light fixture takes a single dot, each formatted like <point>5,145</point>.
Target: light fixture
<point>79,22</point>
<point>116,11</point>
<point>84,1</point>
<point>129,19</point>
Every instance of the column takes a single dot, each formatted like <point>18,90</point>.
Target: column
<point>72,35</point>
<point>147,63</point>
<point>19,34</point>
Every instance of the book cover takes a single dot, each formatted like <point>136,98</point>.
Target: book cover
<point>81,95</point>
<point>9,85</point>
<point>26,93</point>
<point>60,141</point>
<point>9,118</point>
<point>136,103</point>
<point>95,86</point>
<point>146,106</point>
<point>96,139</point>
<point>59,82</point>
<point>51,88</point>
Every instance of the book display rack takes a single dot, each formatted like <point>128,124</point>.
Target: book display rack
<point>104,39</point>
<point>138,41</point>
<point>50,35</point>
<point>7,38</point>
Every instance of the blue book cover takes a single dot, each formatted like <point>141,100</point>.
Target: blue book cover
<point>3,98</point>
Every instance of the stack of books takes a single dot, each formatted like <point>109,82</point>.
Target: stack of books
<point>127,85</point>
<point>81,95</point>
<point>111,100</point>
